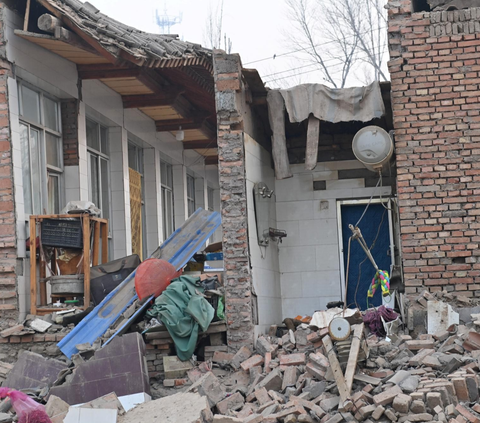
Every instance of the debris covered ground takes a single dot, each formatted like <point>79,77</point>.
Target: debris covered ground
<point>297,373</point>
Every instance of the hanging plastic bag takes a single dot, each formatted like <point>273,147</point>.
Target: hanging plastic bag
<point>28,411</point>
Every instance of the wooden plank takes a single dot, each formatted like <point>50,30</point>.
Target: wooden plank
<point>104,241</point>
<point>165,98</point>
<point>33,265</point>
<point>353,357</point>
<point>96,244</point>
<point>336,369</point>
<point>43,284</point>
<point>193,145</point>
<point>108,74</point>
<point>86,259</point>
<point>27,16</point>
<point>313,135</point>
<point>186,124</point>
<point>211,160</point>
<point>276,116</point>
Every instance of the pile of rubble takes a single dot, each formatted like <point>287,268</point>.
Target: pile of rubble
<point>298,377</point>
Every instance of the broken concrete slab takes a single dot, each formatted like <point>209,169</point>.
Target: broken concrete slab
<point>40,325</point>
<point>179,408</point>
<point>131,401</point>
<point>119,367</point>
<point>56,409</point>
<point>90,415</point>
<point>109,401</point>
<point>440,316</point>
<point>210,387</point>
<point>174,368</point>
<point>34,371</point>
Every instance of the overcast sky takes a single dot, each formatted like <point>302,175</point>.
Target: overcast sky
<point>255,27</point>
<point>258,30</point>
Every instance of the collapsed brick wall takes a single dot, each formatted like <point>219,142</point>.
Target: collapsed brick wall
<point>8,252</point>
<point>69,110</point>
<point>434,69</point>
<point>233,194</point>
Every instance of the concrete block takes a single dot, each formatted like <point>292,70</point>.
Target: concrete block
<point>180,408</point>
<point>234,402</point>
<point>56,408</point>
<point>241,355</point>
<point>253,361</point>
<point>387,396</point>
<point>320,360</point>
<point>290,377</point>
<point>174,368</point>
<point>210,387</point>
<point>263,346</point>
<point>292,359</point>
<point>378,413</point>
<point>390,414</point>
<point>273,381</point>
<point>418,407</point>
<point>401,403</point>
<point>434,399</point>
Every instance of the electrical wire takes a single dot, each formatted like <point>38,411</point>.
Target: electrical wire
<point>310,71</point>
<point>304,49</point>
<point>316,64</point>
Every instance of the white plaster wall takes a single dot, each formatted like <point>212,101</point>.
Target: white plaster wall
<point>153,200</point>
<point>265,271</point>
<point>309,256</point>
<point>59,77</point>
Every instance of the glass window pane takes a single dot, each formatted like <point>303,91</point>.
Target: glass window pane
<point>132,157</point>
<point>36,156</point>
<point>27,180</point>
<point>53,194</point>
<point>105,189</point>
<point>92,135</point>
<point>52,146</point>
<point>94,193</point>
<point>30,104</point>
<point>104,140</point>
<point>50,109</point>
<point>167,203</point>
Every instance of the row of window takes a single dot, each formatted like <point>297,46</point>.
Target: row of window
<point>41,145</point>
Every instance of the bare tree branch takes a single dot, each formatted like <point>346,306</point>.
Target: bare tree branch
<point>340,36</point>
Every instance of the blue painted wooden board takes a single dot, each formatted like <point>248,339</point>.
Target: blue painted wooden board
<point>178,249</point>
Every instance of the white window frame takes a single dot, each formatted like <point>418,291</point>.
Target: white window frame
<point>191,206</point>
<point>99,156</point>
<point>167,192</point>
<point>46,170</point>
<point>210,197</point>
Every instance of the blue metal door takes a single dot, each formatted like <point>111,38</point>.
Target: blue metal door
<point>376,232</point>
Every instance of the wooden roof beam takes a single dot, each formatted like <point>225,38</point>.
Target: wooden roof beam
<point>197,120</point>
<point>211,160</point>
<point>106,72</point>
<point>166,98</point>
<point>199,144</point>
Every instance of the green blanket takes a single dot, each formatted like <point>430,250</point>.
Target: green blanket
<point>182,310</point>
